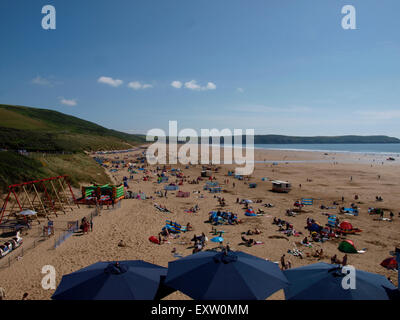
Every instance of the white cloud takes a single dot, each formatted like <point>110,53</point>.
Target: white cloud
<point>379,115</point>
<point>176,84</point>
<point>263,108</point>
<point>136,85</point>
<point>68,102</point>
<point>110,81</point>
<point>211,86</point>
<point>41,81</point>
<point>193,85</point>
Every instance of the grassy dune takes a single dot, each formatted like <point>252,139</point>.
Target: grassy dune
<point>47,130</point>
<point>16,168</point>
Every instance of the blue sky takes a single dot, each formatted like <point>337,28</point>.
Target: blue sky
<point>279,66</point>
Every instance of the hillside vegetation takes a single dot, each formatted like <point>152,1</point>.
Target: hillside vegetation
<point>35,129</point>
<point>80,168</point>
<point>52,134</point>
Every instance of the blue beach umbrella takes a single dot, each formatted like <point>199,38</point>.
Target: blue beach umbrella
<point>217,239</point>
<point>323,281</point>
<point>231,275</point>
<point>125,280</point>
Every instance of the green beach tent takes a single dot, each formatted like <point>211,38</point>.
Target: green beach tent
<point>347,246</point>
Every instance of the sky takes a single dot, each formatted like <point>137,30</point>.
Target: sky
<point>276,66</point>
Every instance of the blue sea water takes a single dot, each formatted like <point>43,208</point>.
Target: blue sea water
<point>370,148</point>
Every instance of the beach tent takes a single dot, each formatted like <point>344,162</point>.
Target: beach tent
<point>215,190</point>
<point>212,184</point>
<point>307,202</point>
<point>125,280</point>
<point>390,263</point>
<point>332,221</point>
<point>173,227</point>
<point>171,187</point>
<point>182,194</point>
<point>350,211</point>
<point>345,225</point>
<point>315,227</point>
<point>217,239</point>
<point>250,213</point>
<point>323,281</point>
<point>347,246</point>
<point>27,213</point>
<point>228,275</point>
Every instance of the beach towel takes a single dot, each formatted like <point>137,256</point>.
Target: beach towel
<point>154,240</point>
<point>307,202</point>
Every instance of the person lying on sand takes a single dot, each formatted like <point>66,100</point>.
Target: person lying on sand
<point>248,242</point>
<point>122,244</point>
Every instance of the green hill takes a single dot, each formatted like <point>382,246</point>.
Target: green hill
<point>279,139</point>
<point>47,130</point>
<point>54,133</point>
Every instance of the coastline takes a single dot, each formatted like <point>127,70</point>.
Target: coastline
<point>137,220</point>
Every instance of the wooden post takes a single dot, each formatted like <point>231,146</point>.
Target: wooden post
<point>40,200</point>
<point>56,193</point>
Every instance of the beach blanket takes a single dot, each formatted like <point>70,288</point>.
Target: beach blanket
<point>307,202</point>
<point>161,209</point>
<point>174,227</point>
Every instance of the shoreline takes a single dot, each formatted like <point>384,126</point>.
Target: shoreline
<point>136,220</point>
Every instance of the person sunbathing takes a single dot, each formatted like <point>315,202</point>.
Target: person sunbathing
<point>189,227</point>
<point>248,242</point>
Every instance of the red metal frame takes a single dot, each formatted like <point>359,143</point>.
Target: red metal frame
<point>11,189</point>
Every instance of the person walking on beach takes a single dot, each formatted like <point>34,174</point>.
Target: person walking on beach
<point>344,261</point>
<point>91,225</point>
<point>283,263</point>
<point>2,294</point>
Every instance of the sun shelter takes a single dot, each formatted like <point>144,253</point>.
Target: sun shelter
<point>332,221</point>
<point>250,213</point>
<point>171,187</point>
<point>375,210</point>
<point>347,246</point>
<point>350,211</point>
<point>229,275</point>
<point>315,227</point>
<point>173,227</point>
<point>182,194</point>
<point>390,263</point>
<point>323,281</point>
<point>124,280</point>
<point>215,190</point>
<point>281,186</point>
<point>307,202</point>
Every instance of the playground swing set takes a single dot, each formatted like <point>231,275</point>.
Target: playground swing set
<point>44,197</point>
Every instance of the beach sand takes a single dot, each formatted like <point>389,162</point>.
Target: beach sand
<point>136,220</point>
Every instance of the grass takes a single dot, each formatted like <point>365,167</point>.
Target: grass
<point>47,130</point>
<point>80,168</point>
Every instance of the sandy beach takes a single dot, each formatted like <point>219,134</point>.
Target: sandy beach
<point>325,177</point>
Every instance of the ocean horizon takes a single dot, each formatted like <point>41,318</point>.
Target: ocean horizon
<point>365,148</point>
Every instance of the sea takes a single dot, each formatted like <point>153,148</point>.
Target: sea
<point>389,149</point>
